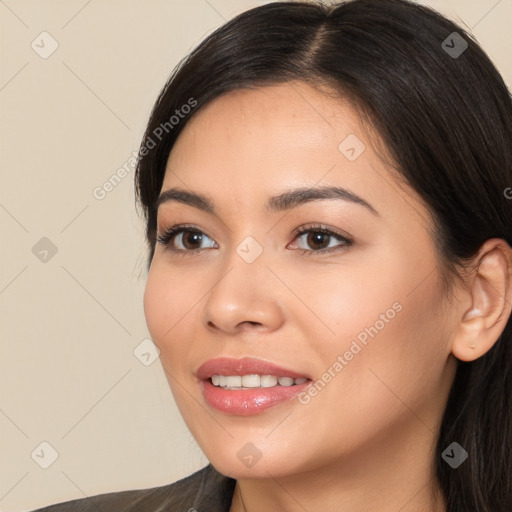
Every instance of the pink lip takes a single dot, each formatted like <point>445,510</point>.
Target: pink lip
<point>245,402</point>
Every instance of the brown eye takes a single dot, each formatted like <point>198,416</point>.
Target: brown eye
<point>191,239</point>
<point>183,239</point>
<point>318,239</point>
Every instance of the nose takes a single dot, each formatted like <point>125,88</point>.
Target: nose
<point>243,299</point>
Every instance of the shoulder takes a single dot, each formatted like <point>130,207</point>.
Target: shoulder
<point>206,489</point>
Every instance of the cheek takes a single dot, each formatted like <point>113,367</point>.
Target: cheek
<point>154,308</point>
<point>387,369</point>
<point>165,308</point>
<point>345,305</point>
<point>379,321</point>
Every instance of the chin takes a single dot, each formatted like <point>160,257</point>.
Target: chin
<point>239,470</point>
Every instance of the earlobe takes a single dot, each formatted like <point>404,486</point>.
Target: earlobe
<point>490,291</point>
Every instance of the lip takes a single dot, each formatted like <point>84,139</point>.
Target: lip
<point>245,402</point>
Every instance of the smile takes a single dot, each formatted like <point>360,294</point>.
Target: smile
<point>248,386</point>
<point>254,381</point>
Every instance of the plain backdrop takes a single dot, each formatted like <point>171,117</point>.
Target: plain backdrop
<point>77,392</point>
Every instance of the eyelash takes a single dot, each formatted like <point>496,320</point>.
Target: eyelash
<point>166,237</point>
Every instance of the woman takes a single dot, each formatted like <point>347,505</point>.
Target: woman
<point>328,203</point>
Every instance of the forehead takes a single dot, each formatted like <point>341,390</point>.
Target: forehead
<point>250,144</point>
<point>287,116</point>
<point>267,130</point>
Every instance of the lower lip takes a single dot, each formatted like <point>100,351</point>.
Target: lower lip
<point>245,402</point>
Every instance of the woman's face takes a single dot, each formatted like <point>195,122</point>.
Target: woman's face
<point>366,322</point>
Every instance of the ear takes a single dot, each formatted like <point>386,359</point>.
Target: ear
<point>486,304</point>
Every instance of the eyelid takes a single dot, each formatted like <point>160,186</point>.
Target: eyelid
<point>345,240</point>
<point>170,233</point>
<point>318,227</point>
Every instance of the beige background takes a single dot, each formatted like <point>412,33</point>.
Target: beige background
<point>69,325</point>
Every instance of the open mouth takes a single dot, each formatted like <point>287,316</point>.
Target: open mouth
<point>249,385</point>
<point>251,381</point>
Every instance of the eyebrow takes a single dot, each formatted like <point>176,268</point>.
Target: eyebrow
<point>282,202</point>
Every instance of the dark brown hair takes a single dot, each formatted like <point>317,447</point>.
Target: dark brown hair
<point>445,116</point>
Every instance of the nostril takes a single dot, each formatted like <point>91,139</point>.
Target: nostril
<point>249,323</point>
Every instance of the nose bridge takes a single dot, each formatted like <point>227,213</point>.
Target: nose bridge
<point>249,250</point>
<point>243,293</point>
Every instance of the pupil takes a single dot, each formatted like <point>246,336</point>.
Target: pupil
<point>317,239</point>
<point>190,234</point>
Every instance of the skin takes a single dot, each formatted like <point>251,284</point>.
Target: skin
<point>365,442</point>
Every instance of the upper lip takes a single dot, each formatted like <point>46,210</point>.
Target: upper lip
<point>244,366</point>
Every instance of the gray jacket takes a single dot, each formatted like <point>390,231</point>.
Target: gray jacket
<point>207,490</point>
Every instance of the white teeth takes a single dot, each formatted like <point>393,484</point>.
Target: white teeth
<point>285,381</point>
<point>251,381</point>
<point>254,381</point>
<point>233,381</point>
<point>268,381</point>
